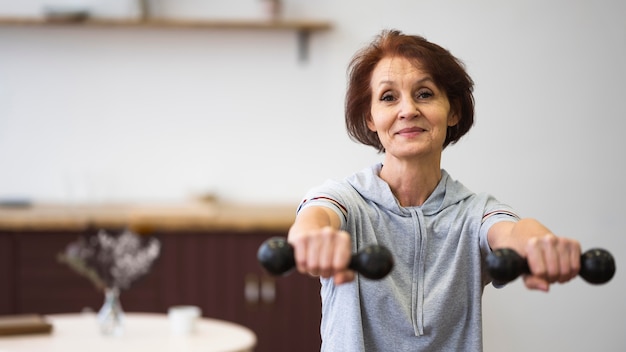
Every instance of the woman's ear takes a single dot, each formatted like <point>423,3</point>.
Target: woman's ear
<point>370,123</point>
<point>453,119</point>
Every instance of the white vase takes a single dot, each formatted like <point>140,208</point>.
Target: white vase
<point>111,315</point>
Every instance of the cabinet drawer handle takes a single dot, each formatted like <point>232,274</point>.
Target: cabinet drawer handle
<point>268,290</point>
<point>251,289</point>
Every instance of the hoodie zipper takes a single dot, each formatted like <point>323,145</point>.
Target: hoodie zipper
<point>417,291</point>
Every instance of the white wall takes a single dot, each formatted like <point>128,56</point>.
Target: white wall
<point>142,114</point>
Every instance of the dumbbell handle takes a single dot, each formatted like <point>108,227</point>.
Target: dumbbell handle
<point>597,266</point>
<point>277,257</point>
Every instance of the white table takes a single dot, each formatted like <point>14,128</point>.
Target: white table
<point>142,332</point>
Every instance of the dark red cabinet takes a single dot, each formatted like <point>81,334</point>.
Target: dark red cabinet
<point>216,270</point>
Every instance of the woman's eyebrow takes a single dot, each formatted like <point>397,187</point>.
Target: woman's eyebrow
<point>420,81</point>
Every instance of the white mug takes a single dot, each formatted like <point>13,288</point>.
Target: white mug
<point>183,319</point>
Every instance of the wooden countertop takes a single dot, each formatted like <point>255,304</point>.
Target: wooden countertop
<point>145,218</point>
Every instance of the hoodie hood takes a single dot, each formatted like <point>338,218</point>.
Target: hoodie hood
<point>371,187</point>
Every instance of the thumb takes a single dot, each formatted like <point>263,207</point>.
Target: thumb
<point>536,283</point>
<point>343,277</point>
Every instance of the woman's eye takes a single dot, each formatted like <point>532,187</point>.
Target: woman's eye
<point>424,94</point>
<point>386,97</point>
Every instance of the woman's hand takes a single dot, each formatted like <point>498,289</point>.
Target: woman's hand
<point>324,252</point>
<point>551,259</point>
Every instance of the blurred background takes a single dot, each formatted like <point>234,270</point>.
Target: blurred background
<point>129,114</point>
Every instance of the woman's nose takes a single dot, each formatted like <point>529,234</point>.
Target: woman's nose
<point>408,109</point>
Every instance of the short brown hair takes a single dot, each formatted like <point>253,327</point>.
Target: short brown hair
<point>447,71</point>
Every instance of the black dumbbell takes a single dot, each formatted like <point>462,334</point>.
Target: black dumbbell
<point>276,256</point>
<point>597,266</point>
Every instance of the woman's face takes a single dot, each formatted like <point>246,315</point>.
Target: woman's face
<point>409,112</point>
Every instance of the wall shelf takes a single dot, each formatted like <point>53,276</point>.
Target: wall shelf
<point>302,27</point>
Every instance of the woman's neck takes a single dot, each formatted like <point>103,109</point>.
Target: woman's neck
<point>411,182</point>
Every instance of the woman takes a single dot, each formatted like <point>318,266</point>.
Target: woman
<point>409,99</point>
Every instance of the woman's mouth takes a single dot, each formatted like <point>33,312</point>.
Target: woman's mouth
<point>410,132</point>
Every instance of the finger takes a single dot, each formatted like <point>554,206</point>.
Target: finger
<point>535,258</point>
<point>343,277</point>
<point>552,259</point>
<point>575,255</point>
<point>326,253</point>
<point>570,264</point>
<point>343,252</point>
<point>300,255</point>
<point>311,265</point>
<point>536,283</point>
<point>565,266</point>
<point>565,261</point>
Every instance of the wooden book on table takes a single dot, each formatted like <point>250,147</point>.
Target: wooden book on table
<point>24,324</point>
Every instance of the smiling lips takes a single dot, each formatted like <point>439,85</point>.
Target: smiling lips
<point>411,131</point>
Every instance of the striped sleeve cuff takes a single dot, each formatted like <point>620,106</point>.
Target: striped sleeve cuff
<point>326,200</point>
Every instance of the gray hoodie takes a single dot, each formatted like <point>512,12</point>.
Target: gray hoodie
<point>431,301</point>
